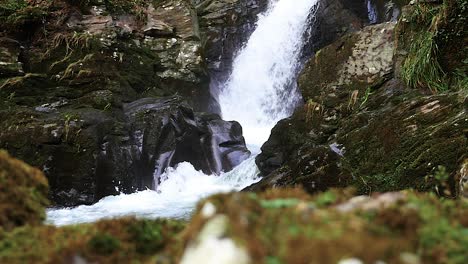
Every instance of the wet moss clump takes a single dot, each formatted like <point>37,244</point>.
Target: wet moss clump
<point>148,237</point>
<point>285,226</point>
<point>106,241</point>
<point>104,244</point>
<point>23,193</point>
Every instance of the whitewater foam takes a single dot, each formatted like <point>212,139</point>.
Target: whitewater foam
<point>176,196</point>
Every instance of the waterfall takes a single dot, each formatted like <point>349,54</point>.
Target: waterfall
<point>260,91</point>
<point>262,87</point>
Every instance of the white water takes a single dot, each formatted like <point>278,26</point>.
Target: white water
<point>259,92</point>
<point>261,89</point>
<point>174,198</point>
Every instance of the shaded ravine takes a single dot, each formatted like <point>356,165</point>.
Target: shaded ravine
<point>260,91</point>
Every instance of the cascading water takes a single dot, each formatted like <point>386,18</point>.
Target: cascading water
<point>174,198</point>
<point>260,91</point>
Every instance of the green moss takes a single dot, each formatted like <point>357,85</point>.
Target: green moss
<point>278,203</point>
<point>147,235</point>
<point>387,227</point>
<point>433,35</point>
<point>441,236</point>
<point>104,244</point>
<point>107,241</point>
<point>23,193</point>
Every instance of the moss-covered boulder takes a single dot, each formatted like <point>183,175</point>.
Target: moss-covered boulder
<point>349,68</point>
<point>288,226</point>
<point>23,193</point>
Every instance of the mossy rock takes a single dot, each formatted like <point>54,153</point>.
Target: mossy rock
<point>23,193</point>
<point>287,226</point>
<point>341,75</point>
<point>108,241</point>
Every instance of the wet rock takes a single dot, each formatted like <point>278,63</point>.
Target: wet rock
<point>158,29</point>
<point>226,26</point>
<point>73,113</point>
<point>169,133</point>
<point>10,65</point>
<point>88,153</point>
<point>23,193</point>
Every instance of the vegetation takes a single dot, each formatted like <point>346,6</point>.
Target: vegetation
<point>434,37</point>
<point>108,241</point>
<point>23,193</point>
<point>287,226</point>
<point>18,13</point>
<point>381,145</point>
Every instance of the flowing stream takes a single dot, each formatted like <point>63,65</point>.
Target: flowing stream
<point>260,91</point>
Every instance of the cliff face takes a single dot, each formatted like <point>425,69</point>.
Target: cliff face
<point>73,78</point>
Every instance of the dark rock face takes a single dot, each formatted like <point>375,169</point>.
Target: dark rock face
<point>336,18</point>
<point>10,65</point>
<point>94,94</point>
<point>169,133</point>
<point>362,126</point>
<point>87,153</point>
